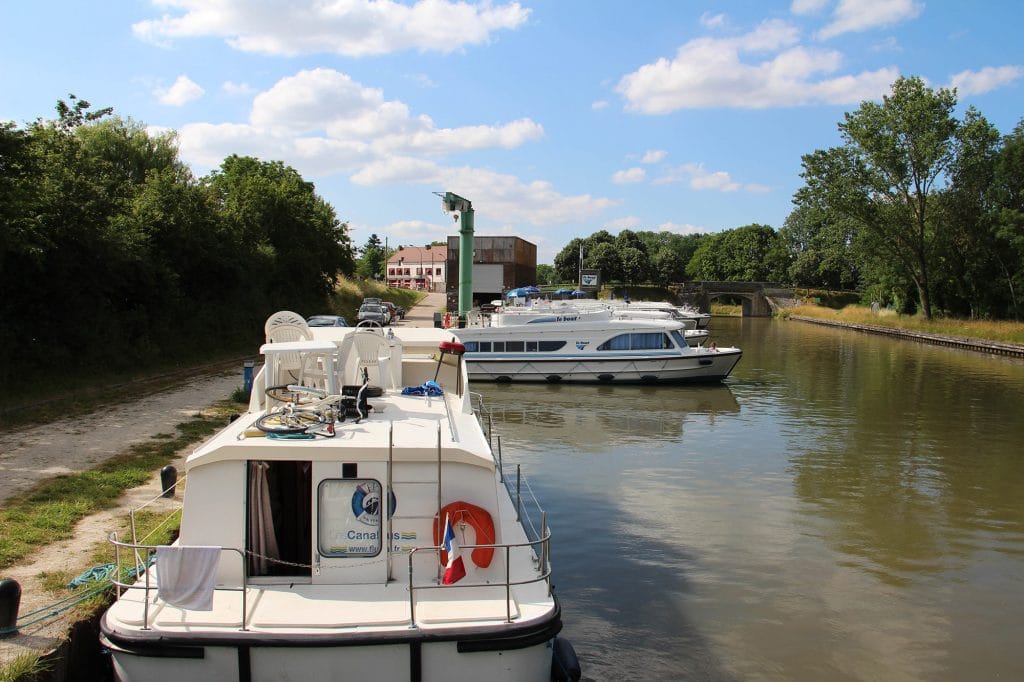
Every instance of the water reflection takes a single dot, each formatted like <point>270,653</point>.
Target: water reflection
<point>844,507</point>
<point>603,417</point>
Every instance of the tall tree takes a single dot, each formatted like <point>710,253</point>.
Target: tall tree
<point>821,249</point>
<point>371,258</point>
<point>883,176</point>
<point>1007,193</point>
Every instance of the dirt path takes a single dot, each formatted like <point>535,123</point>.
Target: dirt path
<point>30,455</point>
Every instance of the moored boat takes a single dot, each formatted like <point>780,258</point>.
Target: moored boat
<point>616,350</point>
<point>321,532</point>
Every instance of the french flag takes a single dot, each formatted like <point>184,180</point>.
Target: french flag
<point>455,570</point>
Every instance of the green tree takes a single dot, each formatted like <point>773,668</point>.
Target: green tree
<point>546,274</point>
<point>372,258</point>
<point>605,257</point>
<point>270,207</point>
<point>821,249</point>
<point>668,266</point>
<point>883,175</point>
<point>1007,196</point>
<point>567,261</point>
<point>964,248</point>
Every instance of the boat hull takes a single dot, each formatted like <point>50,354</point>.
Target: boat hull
<point>506,652</point>
<point>668,369</point>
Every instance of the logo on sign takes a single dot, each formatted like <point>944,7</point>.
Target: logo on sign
<point>366,503</point>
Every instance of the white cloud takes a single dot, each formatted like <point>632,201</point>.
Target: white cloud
<point>708,72</point>
<point>182,92</point>
<point>232,88</point>
<point>698,178</point>
<point>629,176</point>
<point>422,80</point>
<point>988,78</point>
<point>352,28</point>
<point>709,20</point>
<point>322,122</point>
<point>654,156</point>
<point>600,104</point>
<point>629,222</point>
<point>327,100</point>
<point>862,15</point>
<point>807,6</point>
<point>684,228</point>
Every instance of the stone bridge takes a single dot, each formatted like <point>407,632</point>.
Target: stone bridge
<point>759,299</point>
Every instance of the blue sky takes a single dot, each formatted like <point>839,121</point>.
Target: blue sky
<point>556,118</point>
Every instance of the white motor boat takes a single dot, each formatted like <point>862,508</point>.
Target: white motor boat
<point>616,350</point>
<point>543,312</point>
<point>366,531</point>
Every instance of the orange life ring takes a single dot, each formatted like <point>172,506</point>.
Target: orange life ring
<point>447,320</point>
<point>481,522</point>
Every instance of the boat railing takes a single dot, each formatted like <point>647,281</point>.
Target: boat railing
<point>147,586</point>
<point>543,573</point>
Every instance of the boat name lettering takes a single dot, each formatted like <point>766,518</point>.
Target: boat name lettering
<point>374,535</point>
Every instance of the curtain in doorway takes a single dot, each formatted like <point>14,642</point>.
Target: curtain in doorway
<point>262,538</point>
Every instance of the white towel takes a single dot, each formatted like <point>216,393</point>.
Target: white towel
<point>187,575</point>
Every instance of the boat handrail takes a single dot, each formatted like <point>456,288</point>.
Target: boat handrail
<point>147,587</point>
<point>544,572</point>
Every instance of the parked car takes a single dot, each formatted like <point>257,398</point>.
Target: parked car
<point>327,321</point>
<point>373,313</point>
<point>401,312</point>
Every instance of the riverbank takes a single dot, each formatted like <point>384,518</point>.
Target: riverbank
<point>974,344</point>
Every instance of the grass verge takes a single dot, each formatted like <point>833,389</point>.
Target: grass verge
<point>50,511</point>
<point>24,667</point>
<point>987,330</point>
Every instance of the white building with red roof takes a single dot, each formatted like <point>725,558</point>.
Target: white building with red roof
<point>418,267</point>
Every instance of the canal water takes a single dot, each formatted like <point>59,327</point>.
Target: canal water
<point>843,507</point>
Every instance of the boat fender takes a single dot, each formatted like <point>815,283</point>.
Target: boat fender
<point>452,347</point>
<point>565,666</point>
<point>481,522</point>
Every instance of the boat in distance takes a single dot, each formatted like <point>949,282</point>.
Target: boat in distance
<point>617,350</point>
<point>354,523</point>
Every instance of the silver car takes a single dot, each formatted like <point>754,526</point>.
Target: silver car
<point>373,313</point>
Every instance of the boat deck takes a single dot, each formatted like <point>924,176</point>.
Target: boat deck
<point>308,609</point>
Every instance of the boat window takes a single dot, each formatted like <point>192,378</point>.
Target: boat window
<point>531,346</point>
<point>471,346</point>
<point>349,519</point>
<point>641,341</point>
<point>551,346</point>
<point>514,346</point>
<point>485,346</point>
<point>680,339</point>
<point>499,346</point>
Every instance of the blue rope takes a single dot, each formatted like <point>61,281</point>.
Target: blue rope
<point>98,574</point>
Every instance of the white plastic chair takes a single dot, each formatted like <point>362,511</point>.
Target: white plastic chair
<point>282,326</point>
<point>372,350</point>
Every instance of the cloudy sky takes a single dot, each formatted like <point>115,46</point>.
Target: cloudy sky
<point>556,118</point>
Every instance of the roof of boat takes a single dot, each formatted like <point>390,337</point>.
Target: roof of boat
<point>403,427</point>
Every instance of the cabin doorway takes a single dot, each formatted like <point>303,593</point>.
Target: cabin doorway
<point>278,525</point>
